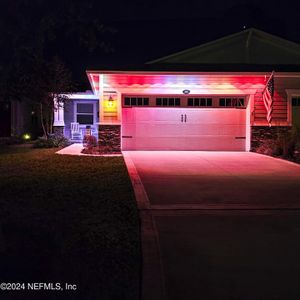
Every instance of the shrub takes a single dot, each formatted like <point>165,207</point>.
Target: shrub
<point>89,141</point>
<point>297,146</point>
<point>53,141</point>
<point>286,145</point>
<point>42,142</point>
<point>269,147</point>
<point>296,137</point>
<point>59,141</point>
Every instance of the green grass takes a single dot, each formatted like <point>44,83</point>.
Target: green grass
<point>68,219</point>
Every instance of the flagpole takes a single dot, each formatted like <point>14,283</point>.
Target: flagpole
<point>267,95</point>
<point>268,81</point>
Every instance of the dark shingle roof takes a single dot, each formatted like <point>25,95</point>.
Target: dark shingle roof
<point>248,47</point>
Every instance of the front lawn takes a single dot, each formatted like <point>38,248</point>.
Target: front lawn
<point>68,219</point>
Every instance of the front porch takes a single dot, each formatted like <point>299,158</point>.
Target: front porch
<point>78,116</point>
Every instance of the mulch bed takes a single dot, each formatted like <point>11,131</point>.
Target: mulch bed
<point>98,150</point>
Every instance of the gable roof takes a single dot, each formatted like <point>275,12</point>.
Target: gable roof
<point>248,47</point>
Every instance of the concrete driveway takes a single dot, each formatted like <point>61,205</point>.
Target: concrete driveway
<point>217,225</point>
<point>186,179</point>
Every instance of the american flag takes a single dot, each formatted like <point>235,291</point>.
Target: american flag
<point>267,95</point>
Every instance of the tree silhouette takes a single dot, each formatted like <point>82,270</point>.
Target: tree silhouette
<point>35,37</point>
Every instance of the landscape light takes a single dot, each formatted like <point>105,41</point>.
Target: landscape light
<point>26,136</point>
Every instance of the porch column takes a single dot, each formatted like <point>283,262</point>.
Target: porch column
<point>58,122</point>
<point>109,130</point>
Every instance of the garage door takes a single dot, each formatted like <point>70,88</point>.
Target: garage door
<point>157,128</point>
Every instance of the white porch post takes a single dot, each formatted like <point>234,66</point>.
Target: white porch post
<point>58,122</point>
<point>58,114</point>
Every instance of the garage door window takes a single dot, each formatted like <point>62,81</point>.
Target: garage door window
<point>200,102</point>
<point>167,101</point>
<point>231,102</point>
<point>136,101</point>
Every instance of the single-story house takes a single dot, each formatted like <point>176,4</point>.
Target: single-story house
<point>208,97</point>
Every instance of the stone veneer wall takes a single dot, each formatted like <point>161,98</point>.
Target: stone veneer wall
<point>58,130</point>
<point>109,138</point>
<point>259,134</point>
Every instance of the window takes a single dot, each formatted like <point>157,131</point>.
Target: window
<point>167,101</point>
<point>204,102</point>
<point>85,113</point>
<point>136,101</point>
<point>296,101</point>
<point>232,102</point>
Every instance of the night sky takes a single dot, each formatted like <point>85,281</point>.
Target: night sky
<point>151,29</point>
<point>144,30</point>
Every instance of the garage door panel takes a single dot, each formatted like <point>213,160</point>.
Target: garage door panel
<point>160,114</point>
<point>128,115</point>
<point>155,143</point>
<point>148,130</point>
<point>158,130</point>
<point>206,143</point>
<point>128,129</point>
<point>216,116</point>
<point>220,143</point>
<point>232,130</point>
<point>214,129</point>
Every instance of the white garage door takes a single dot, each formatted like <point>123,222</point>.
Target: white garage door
<point>153,128</point>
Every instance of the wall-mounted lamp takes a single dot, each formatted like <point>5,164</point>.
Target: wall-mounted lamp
<point>110,101</point>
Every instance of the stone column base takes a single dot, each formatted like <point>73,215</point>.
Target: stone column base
<point>59,130</point>
<point>109,138</point>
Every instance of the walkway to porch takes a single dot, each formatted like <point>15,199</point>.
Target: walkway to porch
<point>75,149</point>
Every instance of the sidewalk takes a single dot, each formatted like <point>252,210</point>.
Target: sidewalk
<point>74,149</point>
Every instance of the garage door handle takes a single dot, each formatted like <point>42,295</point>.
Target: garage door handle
<point>185,118</point>
<point>181,118</point>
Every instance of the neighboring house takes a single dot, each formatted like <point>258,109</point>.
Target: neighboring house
<point>16,118</point>
<point>5,118</point>
<point>205,98</point>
